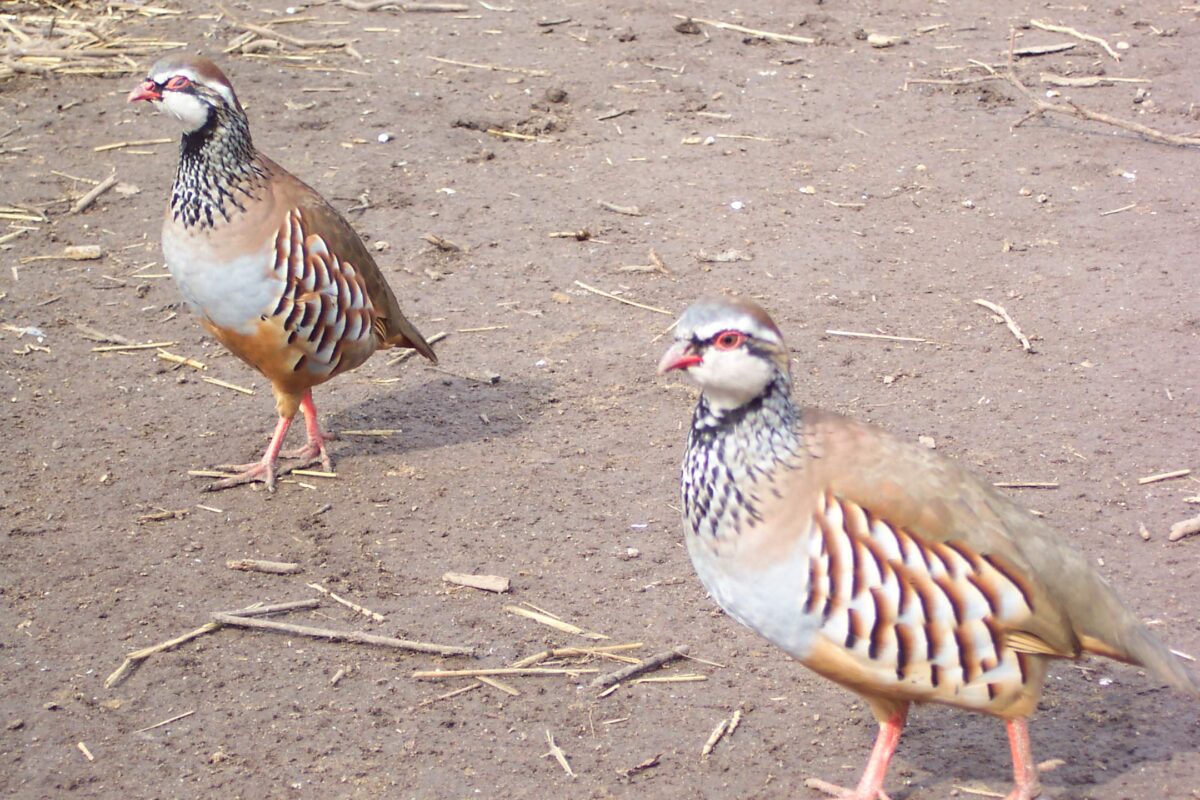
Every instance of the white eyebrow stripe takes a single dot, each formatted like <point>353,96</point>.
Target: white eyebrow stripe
<point>186,72</point>
<point>743,324</point>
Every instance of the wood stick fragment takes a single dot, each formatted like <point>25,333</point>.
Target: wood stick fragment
<point>269,567</point>
<point>116,348</point>
<point>83,203</point>
<point>1087,37</point>
<point>633,670</point>
<point>1084,81</point>
<point>83,748</point>
<point>181,360</point>
<point>1041,106</point>
<point>884,336</point>
<point>552,622</point>
<point>558,754</point>
<point>529,661</point>
<point>539,73</point>
<point>1164,476</point>
<point>1110,212</point>
<point>690,678</point>
<point>469,688</point>
<point>605,651</point>
<point>499,684</point>
<point>1026,485</point>
<point>978,792</point>
<point>629,211</point>
<point>729,26</point>
<point>410,8</point>
<point>175,718</point>
<point>443,244</point>
<point>713,738</point>
<point>138,143</point>
<point>487,583</point>
<point>355,637</point>
<point>366,612</point>
<point>1185,528</point>
<point>162,515</point>
<point>138,656</point>
<point>619,299</point>
<point>734,721</point>
<point>439,674</point>
<point>407,354</point>
<point>224,384</point>
<point>1012,325</point>
<point>260,610</point>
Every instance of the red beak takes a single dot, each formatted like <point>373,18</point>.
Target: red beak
<point>148,90</point>
<point>678,356</point>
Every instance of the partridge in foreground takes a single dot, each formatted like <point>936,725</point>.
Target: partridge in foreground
<point>878,564</point>
<point>276,274</point>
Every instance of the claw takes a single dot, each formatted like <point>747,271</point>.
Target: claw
<point>246,473</point>
<point>842,793</point>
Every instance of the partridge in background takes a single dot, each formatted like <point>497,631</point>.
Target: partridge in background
<point>878,564</point>
<point>276,274</point>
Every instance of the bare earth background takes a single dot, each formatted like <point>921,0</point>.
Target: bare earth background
<point>863,203</point>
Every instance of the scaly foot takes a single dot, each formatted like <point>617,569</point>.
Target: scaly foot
<point>840,792</point>
<point>312,452</point>
<point>1025,793</point>
<point>263,471</point>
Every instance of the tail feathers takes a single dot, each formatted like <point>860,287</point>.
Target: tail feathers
<point>399,332</point>
<point>1137,645</point>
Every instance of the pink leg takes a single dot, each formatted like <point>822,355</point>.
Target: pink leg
<point>870,786</point>
<point>263,470</point>
<point>1025,773</point>
<point>314,449</point>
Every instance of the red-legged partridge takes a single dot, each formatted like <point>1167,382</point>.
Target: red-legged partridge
<point>275,273</point>
<point>878,564</point>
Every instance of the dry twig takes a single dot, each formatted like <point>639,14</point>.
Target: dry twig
<point>1164,476</point>
<point>1185,528</point>
<point>633,670</point>
<point>487,583</point>
<point>1041,107</point>
<point>1086,37</point>
<point>537,73</point>
<point>558,754</point>
<point>86,201</point>
<point>366,612</point>
<point>270,567</point>
<point>1012,325</point>
<point>729,26</point>
<point>439,674</point>
<point>619,299</point>
<point>138,656</point>
<point>356,637</point>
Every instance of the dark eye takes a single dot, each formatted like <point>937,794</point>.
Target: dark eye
<point>729,340</point>
<point>176,83</point>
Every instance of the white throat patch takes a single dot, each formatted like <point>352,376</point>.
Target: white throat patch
<point>191,111</point>
<point>730,379</point>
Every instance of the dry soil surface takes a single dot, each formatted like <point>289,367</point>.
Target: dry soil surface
<point>847,187</point>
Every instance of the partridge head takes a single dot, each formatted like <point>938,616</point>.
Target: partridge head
<point>274,272</point>
<point>876,563</point>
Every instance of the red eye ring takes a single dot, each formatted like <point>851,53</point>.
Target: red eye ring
<point>177,82</point>
<point>728,340</point>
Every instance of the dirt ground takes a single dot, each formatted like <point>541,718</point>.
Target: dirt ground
<point>856,200</point>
